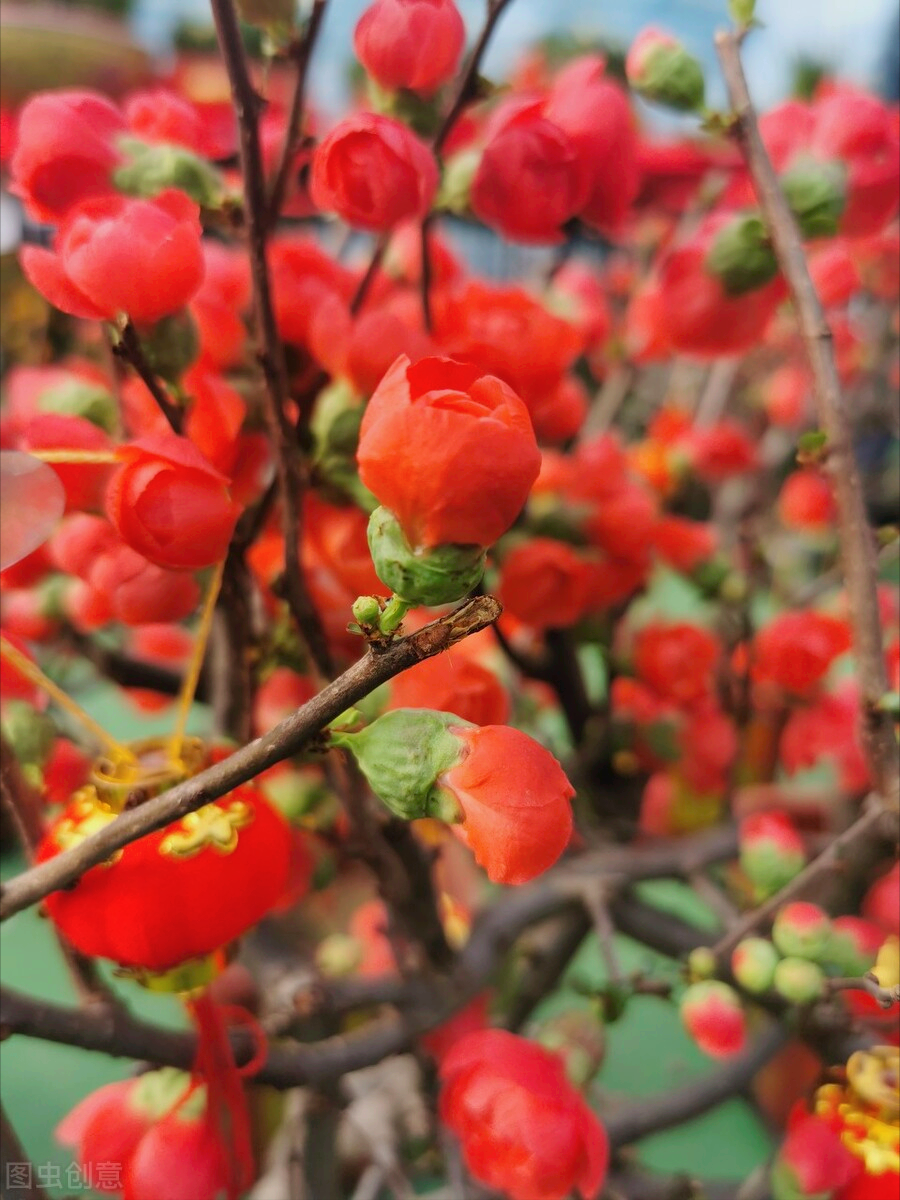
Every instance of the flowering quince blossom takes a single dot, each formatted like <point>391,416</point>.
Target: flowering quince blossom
<point>449,450</point>
<point>413,44</point>
<point>115,255</point>
<point>374,173</point>
<point>522,1126</point>
<point>713,1016</point>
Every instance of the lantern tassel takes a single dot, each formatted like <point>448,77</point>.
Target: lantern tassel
<point>226,1106</point>
<point>35,675</point>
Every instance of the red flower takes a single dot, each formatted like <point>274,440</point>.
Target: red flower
<point>452,683</point>
<point>721,451</point>
<point>158,115</point>
<point>515,797</point>
<point>545,583</point>
<point>531,178</point>
<point>677,661</point>
<point>65,152</point>
<point>218,303</point>
<point>683,543</point>
<point>170,504</point>
<point>412,44</point>
<point>115,255</point>
<point>595,114</point>
<point>813,1159</point>
<point>374,173</point>
<point>523,1128</point>
<point>449,451</point>
<point>806,501</point>
<point>796,649</point>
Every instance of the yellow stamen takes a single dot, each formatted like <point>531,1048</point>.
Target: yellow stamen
<point>191,679</point>
<point>35,675</point>
<point>76,456</point>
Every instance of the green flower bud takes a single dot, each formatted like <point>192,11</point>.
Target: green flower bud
<point>30,733</point>
<point>151,168</point>
<point>437,575</point>
<point>659,68</point>
<point>741,256</point>
<point>753,963</point>
<point>798,980</point>
<point>171,345</point>
<point>802,930</point>
<point>701,963</point>
<point>853,945</point>
<point>366,610</point>
<point>80,398</point>
<point>402,754</point>
<point>816,193</point>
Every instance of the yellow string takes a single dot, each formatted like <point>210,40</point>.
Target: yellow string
<point>76,456</point>
<point>191,679</point>
<point>36,676</point>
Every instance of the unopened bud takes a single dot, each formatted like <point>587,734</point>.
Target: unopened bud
<point>798,980</point>
<point>802,930</point>
<point>753,964</point>
<point>816,193</point>
<point>741,255</point>
<point>659,68</point>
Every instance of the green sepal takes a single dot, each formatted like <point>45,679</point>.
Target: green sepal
<point>403,754</point>
<point>150,168</point>
<point>425,575</point>
<point>817,195</point>
<point>741,256</point>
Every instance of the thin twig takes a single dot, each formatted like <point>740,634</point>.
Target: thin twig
<point>302,55</point>
<point>290,469</point>
<point>887,997</point>
<point>857,542</point>
<point>468,84</point>
<point>249,761</point>
<point>368,277</point>
<point>863,827</point>
<point>128,347</point>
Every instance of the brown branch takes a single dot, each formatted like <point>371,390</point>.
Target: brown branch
<point>368,277</point>
<point>636,1120</point>
<point>865,826</point>
<point>857,542</point>
<point>468,84</point>
<point>128,347</point>
<point>290,469</point>
<point>301,52</point>
<point>286,739</point>
<point>432,1000</point>
<point>887,997</point>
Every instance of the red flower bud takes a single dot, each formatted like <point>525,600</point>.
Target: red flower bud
<point>449,451</point>
<point>531,178</point>
<point>170,504</point>
<point>714,1017</point>
<point>374,173</point>
<point>158,115</point>
<point>677,661</point>
<point>514,797</point>
<point>414,44</point>
<point>806,501</point>
<point>523,1128</point>
<point>65,151</point>
<point>771,850</point>
<point>802,930</point>
<point>115,255</point>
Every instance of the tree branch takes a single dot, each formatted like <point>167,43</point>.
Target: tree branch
<point>290,470</point>
<point>857,543</point>
<point>286,739</point>
<point>468,84</point>
<point>302,55</point>
<point>128,347</point>
<point>886,997</point>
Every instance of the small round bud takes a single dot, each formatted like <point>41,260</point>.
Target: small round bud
<point>802,930</point>
<point>854,944</point>
<point>437,575</point>
<point>714,1017</point>
<point>753,964</point>
<point>659,68</point>
<point>366,610</point>
<point>701,963</point>
<point>798,980</point>
<point>771,850</point>
<point>741,256</point>
<point>816,193</point>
